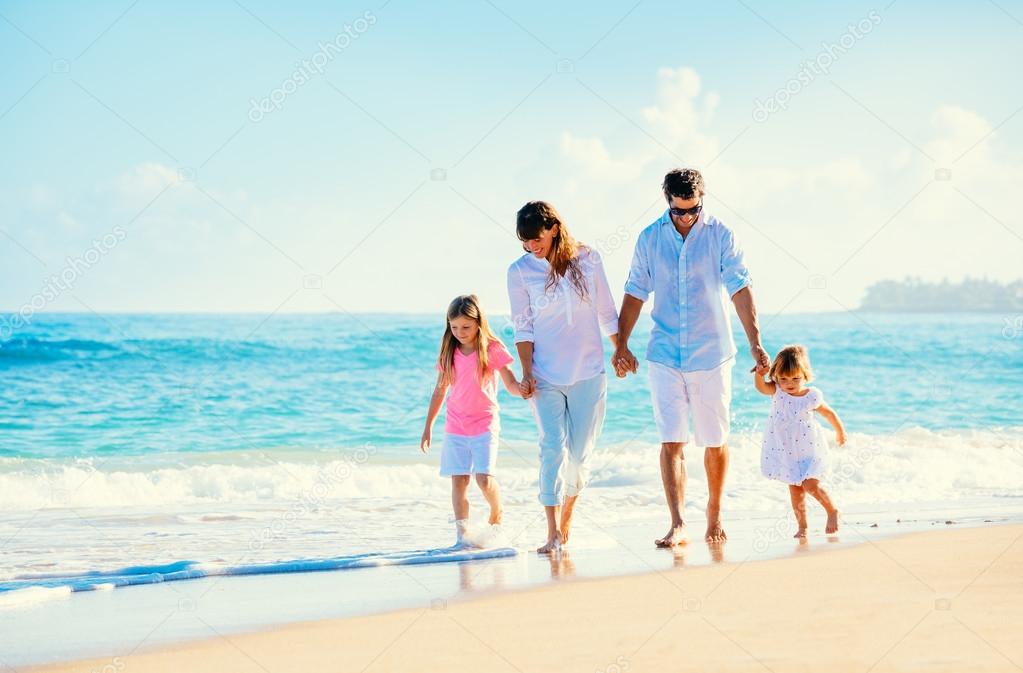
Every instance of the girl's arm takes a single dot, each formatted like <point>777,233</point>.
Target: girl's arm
<point>832,418</point>
<point>765,387</point>
<point>436,402</point>
<point>511,384</point>
<point>528,384</point>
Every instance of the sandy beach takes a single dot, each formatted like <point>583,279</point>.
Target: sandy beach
<point>946,600</point>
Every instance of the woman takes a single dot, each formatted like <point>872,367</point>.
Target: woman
<point>561,303</point>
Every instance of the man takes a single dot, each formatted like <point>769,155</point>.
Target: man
<point>689,260</point>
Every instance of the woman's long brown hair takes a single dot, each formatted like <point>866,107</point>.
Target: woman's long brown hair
<point>539,216</point>
<point>465,306</point>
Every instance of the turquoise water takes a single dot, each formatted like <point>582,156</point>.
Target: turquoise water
<point>84,385</point>
<point>227,444</point>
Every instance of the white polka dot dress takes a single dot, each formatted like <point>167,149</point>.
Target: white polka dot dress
<point>795,446</point>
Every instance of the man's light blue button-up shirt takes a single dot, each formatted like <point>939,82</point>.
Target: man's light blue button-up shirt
<point>693,280</point>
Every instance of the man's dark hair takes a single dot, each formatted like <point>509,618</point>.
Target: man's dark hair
<point>685,183</point>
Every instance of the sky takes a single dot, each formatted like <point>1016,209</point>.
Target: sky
<point>370,157</point>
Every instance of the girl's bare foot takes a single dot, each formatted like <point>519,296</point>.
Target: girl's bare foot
<point>553,545</point>
<point>676,535</point>
<point>832,525</point>
<point>800,534</point>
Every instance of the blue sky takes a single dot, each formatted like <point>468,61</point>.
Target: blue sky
<point>390,181</point>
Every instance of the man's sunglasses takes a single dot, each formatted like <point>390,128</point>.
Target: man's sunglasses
<point>682,212</point>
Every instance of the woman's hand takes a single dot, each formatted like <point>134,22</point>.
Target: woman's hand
<point>840,436</point>
<point>427,439</point>
<point>527,386</point>
<point>624,361</point>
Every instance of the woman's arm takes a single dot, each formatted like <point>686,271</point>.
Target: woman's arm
<point>832,418</point>
<point>436,401</point>
<point>511,384</point>
<point>528,383</point>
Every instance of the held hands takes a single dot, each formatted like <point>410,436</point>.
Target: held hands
<point>527,386</point>
<point>424,443</point>
<point>760,358</point>
<point>624,361</point>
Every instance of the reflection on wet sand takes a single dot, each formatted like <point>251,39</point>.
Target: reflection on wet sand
<point>474,577</point>
<point>561,564</point>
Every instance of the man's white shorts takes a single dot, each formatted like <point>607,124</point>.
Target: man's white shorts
<point>462,454</point>
<point>706,395</point>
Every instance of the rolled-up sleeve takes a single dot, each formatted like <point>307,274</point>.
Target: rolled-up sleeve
<point>734,273</point>
<point>640,282</point>
<point>521,311</point>
<point>607,313</point>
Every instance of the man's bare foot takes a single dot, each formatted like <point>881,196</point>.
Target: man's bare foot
<point>553,545</point>
<point>676,535</point>
<point>566,526</point>
<point>715,533</point>
<point>801,533</point>
<point>495,517</point>
<point>832,525</point>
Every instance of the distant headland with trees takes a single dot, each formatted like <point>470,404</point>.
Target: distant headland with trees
<point>915,295</point>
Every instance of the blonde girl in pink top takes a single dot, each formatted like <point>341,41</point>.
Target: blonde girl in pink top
<point>470,359</point>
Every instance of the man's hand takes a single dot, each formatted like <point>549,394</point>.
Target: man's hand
<point>527,386</point>
<point>624,361</point>
<point>760,358</point>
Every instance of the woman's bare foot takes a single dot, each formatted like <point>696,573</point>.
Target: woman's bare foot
<point>676,535</point>
<point>832,525</point>
<point>566,518</point>
<point>553,545</point>
<point>801,533</point>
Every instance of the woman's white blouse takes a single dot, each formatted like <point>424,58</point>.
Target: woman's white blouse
<point>564,328</point>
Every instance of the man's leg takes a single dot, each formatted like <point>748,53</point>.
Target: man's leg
<point>715,463</point>
<point>710,395</point>
<point>671,412</point>
<point>673,477</point>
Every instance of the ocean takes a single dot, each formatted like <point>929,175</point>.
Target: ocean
<point>136,446</point>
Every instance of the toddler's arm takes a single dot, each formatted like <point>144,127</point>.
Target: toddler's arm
<point>765,387</point>
<point>511,384</point>
<point>436,401</point>
<point>832,418</point>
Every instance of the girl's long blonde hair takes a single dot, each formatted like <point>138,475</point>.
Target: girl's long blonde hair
<point>790,360</point>
<point>539,216</point>
<point>465,306</point>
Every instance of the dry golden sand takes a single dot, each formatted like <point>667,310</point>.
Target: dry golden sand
<point>950,600</point>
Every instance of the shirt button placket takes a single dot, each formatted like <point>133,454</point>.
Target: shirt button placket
<point>683,316</point>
